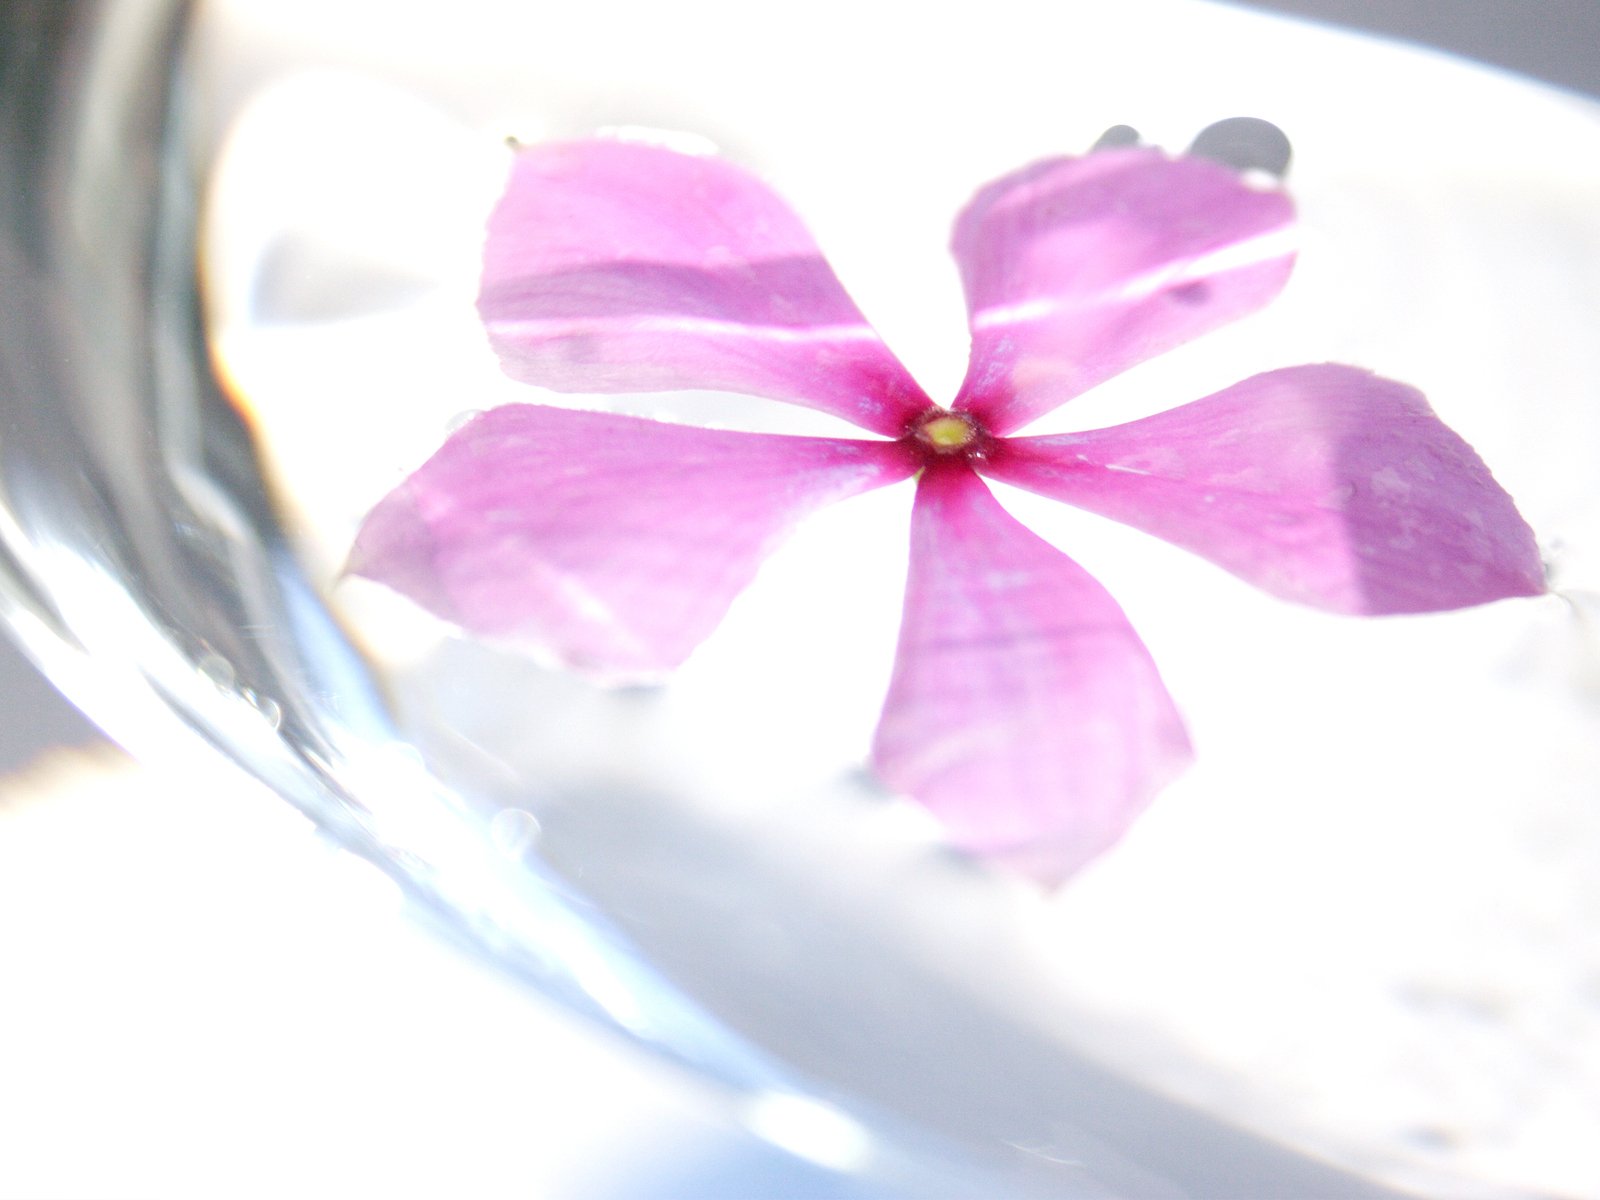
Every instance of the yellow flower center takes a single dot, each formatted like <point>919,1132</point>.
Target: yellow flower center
<point>947,432</point>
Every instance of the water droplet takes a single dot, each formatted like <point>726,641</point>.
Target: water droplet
<point>217,669</point>
<point>270,710</point>
<point>514,831</point>
<point>1245,144</point>
<point>267,707</point>
<point>1116,138</point>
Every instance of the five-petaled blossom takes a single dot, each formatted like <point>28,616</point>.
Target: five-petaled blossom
<point>1023,709</point>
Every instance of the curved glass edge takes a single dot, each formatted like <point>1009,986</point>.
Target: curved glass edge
<point>133,576</point>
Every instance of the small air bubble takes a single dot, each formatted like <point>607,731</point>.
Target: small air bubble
<point>264,705</point>
<point>218,670</point>
<point>270,710</point>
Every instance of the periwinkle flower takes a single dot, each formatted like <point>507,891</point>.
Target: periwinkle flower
<point>1023,710</point>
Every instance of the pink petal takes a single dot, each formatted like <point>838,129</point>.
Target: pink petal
<point>1076,269</point>
<point>620,267</point>
<point>1321,484</point>
<point>1024,711</point>
<point>613,542</point>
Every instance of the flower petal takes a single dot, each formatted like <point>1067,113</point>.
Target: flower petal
<point>1321,484</point>
<point>614,542</point>
<point>1076,269</point>
<point>619,267</point>
<point>1024,711</point>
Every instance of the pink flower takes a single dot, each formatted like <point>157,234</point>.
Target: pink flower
<point>1023,711</point>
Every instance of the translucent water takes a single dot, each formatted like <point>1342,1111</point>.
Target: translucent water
<point>1353,933</point>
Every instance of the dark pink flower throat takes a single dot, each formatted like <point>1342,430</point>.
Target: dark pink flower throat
<point>943,435</point>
